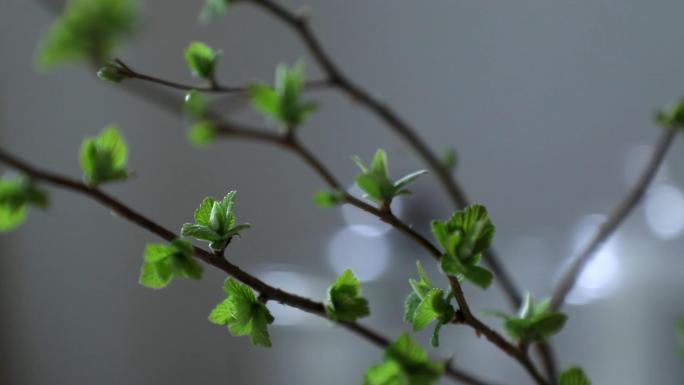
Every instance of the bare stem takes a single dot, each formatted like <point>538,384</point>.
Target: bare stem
<point>619,214</point>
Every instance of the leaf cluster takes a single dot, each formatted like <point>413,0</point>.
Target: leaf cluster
<point>534,321</point>
<point>672,117</point>
<point>464,238</point>
<point>282,102</point>
<point>405,363</point>
<point>202,60</point>
<point>427,303</point>
<point>16,195</point>
<point>213,8</point>
<point>163,262</point>
<point>345,302</point>
<point>215,222</point>
<point>88,30</point>
<point>376,183</point>
<point>202,132</point>
<point>243,313</point>
<point>104,158</point>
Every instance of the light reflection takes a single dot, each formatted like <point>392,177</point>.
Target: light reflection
<point>665,211</point>
<point>364,223</point>
<point>600,276</point>
<point>368,257</point>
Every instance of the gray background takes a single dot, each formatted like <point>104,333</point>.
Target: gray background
<point>544,101</point>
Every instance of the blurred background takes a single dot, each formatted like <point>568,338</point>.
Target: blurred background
<point>548,104</point>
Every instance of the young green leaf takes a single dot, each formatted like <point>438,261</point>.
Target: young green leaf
<point>202,133</point>
<point>672,117</point>
<point>282,102</point>
<point>449,159</point>
<point>87,30</point>
<point>534,321</point>
<point>574,376</point>
<point>213,8</point>
<point>329,198</point>
<point>201,60</point>
<point>405,363</point>
<point>16,195</point>
<point>164,262</point>
<point>344,299</point>
<point>426,304</point>
<point>243,313</point>
<point>195,104</point>
<point>464,237</point>
<point>104,158</point>
<point>375,181</point>
<point>215,222</point>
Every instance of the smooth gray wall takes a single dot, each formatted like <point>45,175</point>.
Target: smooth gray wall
<point>542,99</point>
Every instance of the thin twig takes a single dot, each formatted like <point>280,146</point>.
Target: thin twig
<point>266,291</point>
<point>130,73</point>
<point>619,214</point>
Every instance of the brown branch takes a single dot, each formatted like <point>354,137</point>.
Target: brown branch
<point>619,214</point>
<point>266,291</point>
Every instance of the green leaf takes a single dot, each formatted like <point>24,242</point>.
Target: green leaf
<point>202,60</point>
<point>464,237</point>
<point>375,180</point>
<point>344,299</point>
<point>215,222</point>
<point>534,322</point>
<point>243,313</point>
<point>673,117</point>
<point>16,195</point>
<point>195,104</point>
<point>329,198</point>
<point>282,102</point>
<point>112,72</point>
<point>164,262</point>
<point>414,365</point>
<point>386,373</point>
<point>202,133</point>
<point>213,8</point>
<point>104,158</point>
<point>87,30</point>
<point>574,376</point>
<point>426,304</point>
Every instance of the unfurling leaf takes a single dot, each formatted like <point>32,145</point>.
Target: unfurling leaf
<point>405,363</point>
<point>464,237</point>
<point>104,158</point>
<point>574,376</point>
<point>345,302</point>
<point>426,304</point>
<point>282,102</point>
<point>375,181</point>
<point>215,222</point>
<point>201,60</point>
<point>88,30</point>
<point>534,321</point>
<point>16,195</point>
<point>243,313</point>
<point>329,198</point>
<point>164,262</point>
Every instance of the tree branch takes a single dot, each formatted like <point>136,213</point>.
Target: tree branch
<point>619,214</point>
<point>266,291</point>
<point>340,80</point>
